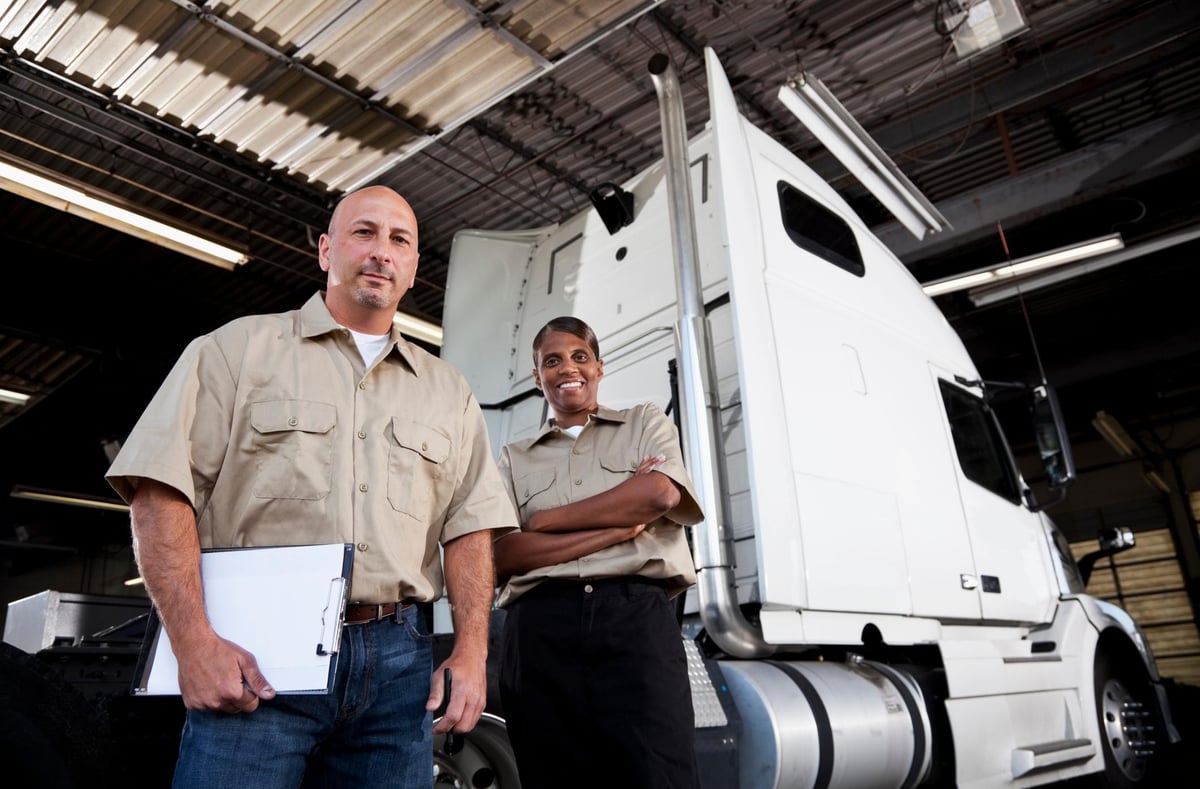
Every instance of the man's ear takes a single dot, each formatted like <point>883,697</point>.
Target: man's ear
<point>537,379</point>
<point>323,252</point>
<point>413,280</point>
<point>599,369</point>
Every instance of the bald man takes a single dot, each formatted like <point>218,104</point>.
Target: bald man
<point>322,425</point>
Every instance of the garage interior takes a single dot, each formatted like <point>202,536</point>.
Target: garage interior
<point>245,120</point>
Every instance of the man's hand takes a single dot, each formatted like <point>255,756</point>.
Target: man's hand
<point>468,694</point>
<point>470,578</point>
<point>216,675</point>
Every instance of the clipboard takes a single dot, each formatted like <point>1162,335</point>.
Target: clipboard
<point>293,627</point>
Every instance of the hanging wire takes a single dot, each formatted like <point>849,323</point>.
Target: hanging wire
<point>1024,309</point>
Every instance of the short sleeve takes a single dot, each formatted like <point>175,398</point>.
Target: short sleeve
<point>659,437</point>
<point>181,438</point>
<point>479,501</point>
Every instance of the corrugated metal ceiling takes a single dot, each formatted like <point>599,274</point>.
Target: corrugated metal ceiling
<point>331,92</point>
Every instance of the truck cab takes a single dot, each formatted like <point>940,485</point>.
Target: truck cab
<point>904,612</point>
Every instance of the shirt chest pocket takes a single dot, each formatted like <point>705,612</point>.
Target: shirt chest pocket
<point>418,470</point>
<point>293,448</point>
<point>615,467</point>
<point>535,492</point>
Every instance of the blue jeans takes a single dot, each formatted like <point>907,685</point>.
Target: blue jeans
<point>371,730</point>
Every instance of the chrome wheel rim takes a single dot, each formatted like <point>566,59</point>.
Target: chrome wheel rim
<point>1127,729</point>
<point>485,760</point>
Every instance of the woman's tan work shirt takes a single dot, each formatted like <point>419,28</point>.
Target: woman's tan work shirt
<point>552,469</point>
<point>277,434</point>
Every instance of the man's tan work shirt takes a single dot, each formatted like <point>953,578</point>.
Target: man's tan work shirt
<point>552,469</point>
<point>277,435</point>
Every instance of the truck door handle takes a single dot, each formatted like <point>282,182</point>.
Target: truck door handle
<point>969,581</point>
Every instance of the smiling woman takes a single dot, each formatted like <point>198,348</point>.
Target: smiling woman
<point>567,369</point>
<point>593,675</point>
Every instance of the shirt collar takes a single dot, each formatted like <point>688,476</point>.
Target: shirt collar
<point>603,414</point>
<point>315,320</point>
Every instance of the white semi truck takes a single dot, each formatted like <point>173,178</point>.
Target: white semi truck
<point>881,601</point>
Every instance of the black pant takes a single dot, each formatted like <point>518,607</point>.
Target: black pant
<point>595,688</point>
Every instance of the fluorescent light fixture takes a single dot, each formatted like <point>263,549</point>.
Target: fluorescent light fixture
<point>138,581</point>
<point>105,210</point>
<point>420,329</point>
<point>1112,432</point>
<point>1155,479</point>
<point>990,294</point>
<point>73,499</point>
<point>1026,265</point>
<point>833,125</point>
<point>16,398</point>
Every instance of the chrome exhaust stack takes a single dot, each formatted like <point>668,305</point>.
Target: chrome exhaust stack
<point>699,403</point>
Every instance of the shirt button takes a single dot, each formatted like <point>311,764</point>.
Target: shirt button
<point>587,588</point>
<point>578,482</point>
<point>293,421</point>
<point>424,447</point>
<point>362,546</point>
<point>362,434</point>
<point>363,487</point>
<point>362,385</point>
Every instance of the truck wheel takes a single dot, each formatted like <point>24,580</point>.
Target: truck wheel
<point>1126,709</point>
<point>485,761</point>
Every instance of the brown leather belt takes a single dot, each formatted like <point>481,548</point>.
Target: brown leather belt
<point>357,613</point>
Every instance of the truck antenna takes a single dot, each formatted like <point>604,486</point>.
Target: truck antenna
<point>1024,309</point>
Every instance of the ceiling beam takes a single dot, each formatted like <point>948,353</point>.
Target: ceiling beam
<point>1130,158</point>
<point>1060,67</point>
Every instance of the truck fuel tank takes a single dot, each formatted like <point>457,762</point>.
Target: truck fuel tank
<point>851,724</point>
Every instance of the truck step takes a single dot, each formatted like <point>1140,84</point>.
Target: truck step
<point>1031,758</point>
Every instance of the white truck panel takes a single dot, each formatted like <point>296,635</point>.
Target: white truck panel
<point>480,327</point>
<point>827,351</point>
<point>989,730</point>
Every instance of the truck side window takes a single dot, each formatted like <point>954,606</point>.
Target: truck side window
<point>982,452</point>
<point>816,229</point>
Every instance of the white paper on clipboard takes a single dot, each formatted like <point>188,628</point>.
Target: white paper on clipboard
<point>282,604</point>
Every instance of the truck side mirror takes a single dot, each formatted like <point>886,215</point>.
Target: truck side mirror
<point>1053,447</point>
<point>1112,542</point>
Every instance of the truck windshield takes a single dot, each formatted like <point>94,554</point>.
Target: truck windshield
<point>982,452</point>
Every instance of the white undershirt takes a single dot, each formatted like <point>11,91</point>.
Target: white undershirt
<point>370,345</point>
<point>572,431</point>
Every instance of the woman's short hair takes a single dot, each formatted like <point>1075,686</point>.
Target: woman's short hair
<point>569,325</point>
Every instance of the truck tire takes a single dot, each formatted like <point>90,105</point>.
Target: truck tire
<point>484,759</point>
<point>1128,718</point>
<point>49,735</point>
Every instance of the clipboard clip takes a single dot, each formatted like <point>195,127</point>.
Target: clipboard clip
<point>331,618</point>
